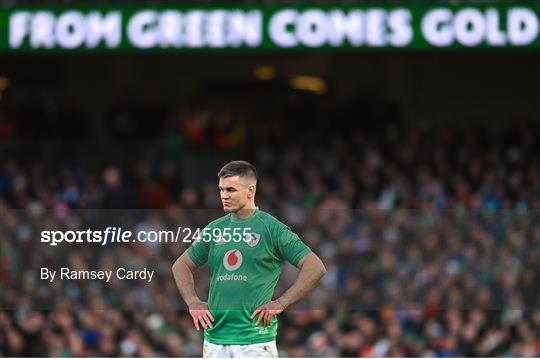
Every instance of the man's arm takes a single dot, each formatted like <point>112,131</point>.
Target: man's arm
<point>311,271</point>
<point>183,270</point>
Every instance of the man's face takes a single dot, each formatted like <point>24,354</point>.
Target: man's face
<point>235,192</point>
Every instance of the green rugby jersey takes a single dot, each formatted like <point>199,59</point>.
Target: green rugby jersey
<point>243,274</point>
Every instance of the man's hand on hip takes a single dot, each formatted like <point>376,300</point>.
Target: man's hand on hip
<point>267,312</point>
<point>201,314</point>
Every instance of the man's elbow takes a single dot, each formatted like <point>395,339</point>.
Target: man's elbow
<point>318,267</point>
<point>312,264</point>
<point>322,270</point>
<point>175,265</point>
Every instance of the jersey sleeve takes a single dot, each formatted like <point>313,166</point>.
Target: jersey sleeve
<point>289,246</point>
<point>198,252</point>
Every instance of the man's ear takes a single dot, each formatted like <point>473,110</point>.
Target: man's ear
<point>252,189</point>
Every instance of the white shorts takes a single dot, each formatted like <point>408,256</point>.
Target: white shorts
<point>259,350</point>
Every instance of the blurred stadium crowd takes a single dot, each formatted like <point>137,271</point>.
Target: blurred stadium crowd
<point>431,238</point>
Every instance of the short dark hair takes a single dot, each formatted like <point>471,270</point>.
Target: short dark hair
<point>238,168</point>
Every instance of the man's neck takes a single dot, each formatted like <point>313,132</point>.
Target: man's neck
<point>245,212</point>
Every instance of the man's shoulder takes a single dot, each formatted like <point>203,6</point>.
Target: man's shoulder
<point>269,220</point>
<point>219,221</point>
